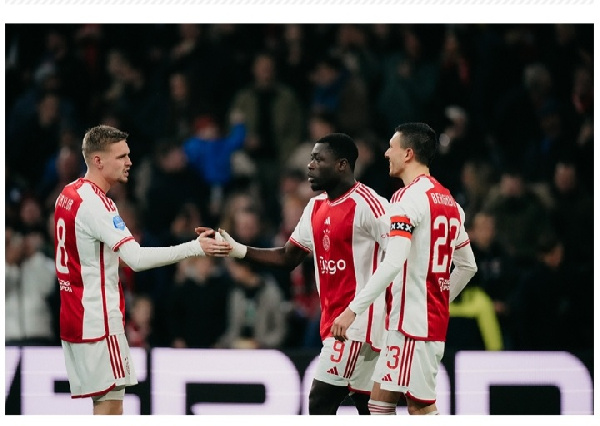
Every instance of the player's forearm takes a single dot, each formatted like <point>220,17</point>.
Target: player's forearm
<point>142,258</point>
<point>396,254</point>
<point>464,269</point>
<point>275,256</point>
<point>378,282</point>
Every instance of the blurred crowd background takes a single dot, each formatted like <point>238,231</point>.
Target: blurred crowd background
<point>222,119</point>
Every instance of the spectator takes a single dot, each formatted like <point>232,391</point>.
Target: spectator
<point>520,216</point>
<point>29,282</point>
<point>476,181</point>
<point>138,327</point>
<point>168,184</point>
<point>541,302</point>
<point>209,153</point>
<point>181,108</point>
<point>197,308</point>
<point>518,108</point>
<point>339,92</point>
<point>571,200</point>
<point>257,314</point>
<point>30,146</point>
<point>274,120</point>
<point>496,273</point>
<point>410,78</point>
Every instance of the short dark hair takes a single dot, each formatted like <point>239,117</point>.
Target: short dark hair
<point>421,138</point>
<point>99,137</point>
<point>342,146</point>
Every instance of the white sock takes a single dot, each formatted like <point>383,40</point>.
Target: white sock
<point>382,408</point>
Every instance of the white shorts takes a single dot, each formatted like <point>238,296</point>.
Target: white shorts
<point>96,368</point>
<point>348,363</point>
<point>409,366</point>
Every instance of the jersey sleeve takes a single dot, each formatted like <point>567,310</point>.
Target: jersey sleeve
<point>378,226</point>
<point>302,235</point>
<point>462,238</point>
<point>104,224</point>
<point>406,214</point>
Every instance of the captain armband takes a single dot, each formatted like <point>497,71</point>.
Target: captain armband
<point>401,227</point>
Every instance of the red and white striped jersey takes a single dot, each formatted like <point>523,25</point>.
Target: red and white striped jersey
<point>417,301</point>
<point>347,237</point>
<point>88,231</point>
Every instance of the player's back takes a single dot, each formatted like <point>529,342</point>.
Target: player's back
<point>420,293</point>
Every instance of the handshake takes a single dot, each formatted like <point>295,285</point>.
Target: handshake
<point>222,245</point>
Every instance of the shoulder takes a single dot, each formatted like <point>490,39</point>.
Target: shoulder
<point>374,202</point>
<point>320,197</point>
<point>93,199</point>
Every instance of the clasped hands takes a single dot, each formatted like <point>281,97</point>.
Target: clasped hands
<point>219,244</point>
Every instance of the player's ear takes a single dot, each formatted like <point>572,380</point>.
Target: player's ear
<point>97,160</point>
<point>343,163</point>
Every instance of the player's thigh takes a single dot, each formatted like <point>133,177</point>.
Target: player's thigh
<point>97,367</point>
<point>361,379</point>
<point>349,364</point>
<point>409,366</point>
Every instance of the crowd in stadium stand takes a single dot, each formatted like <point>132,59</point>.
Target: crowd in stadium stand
<point>221,121</point>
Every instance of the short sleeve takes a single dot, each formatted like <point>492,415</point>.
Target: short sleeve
<point>302,235</point>
<point>104,223</point>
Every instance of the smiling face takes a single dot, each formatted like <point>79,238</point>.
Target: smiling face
<point>323,168</point>
<point>397,155</point>
<point>115,162</point>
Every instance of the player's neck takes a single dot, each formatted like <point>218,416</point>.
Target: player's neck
<point>412,173</point>
<point>98,180</point>
<point>340,189</point>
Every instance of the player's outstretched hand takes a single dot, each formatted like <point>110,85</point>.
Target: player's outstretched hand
<point>239,250</point>
<point>341,324</point>
<point>211,242</point>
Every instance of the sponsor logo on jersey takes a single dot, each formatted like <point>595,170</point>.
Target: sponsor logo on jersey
<point>386,378</point>
<point>333,370</point>
<point>444,284</point>
<point>65,286</point>
<point>331,266</point>
<point>328,221</point>
<point>118,222</point>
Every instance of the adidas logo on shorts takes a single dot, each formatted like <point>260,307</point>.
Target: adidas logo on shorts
<point>333,371</point>
<point>386,378</point>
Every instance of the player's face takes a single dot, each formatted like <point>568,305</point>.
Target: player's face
<point>396,155</point>
<point>116,162</point>
<point>321,168</point>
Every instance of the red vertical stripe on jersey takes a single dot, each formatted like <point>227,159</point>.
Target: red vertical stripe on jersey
<point>103,288</point>
<point>370,320</point>
<point>403,300</point>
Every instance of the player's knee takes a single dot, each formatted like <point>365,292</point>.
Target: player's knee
<point>361,401</point>
<point>421,409</point>
<point>318,403</point>
<point>325,399</point>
